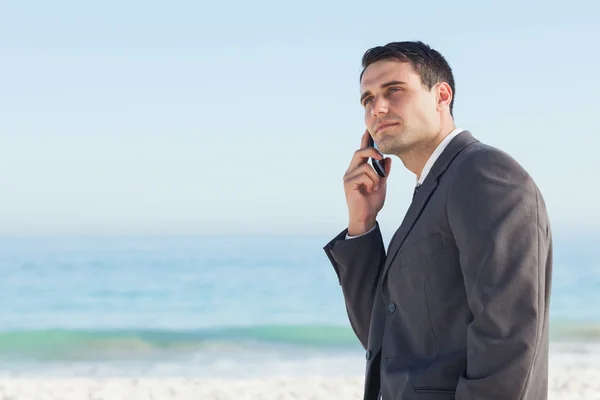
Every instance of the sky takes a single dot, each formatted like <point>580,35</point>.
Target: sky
<point>188,117</point>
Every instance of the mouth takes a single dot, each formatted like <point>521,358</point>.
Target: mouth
<point>381,127</point>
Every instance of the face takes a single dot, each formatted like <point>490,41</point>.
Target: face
<point>400,113</point>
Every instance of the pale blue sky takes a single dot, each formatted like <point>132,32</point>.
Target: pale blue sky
<point>176,117</point>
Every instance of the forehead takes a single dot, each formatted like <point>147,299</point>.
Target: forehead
<point>384,71</point>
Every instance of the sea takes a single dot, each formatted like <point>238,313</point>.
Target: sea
<point>211,306</point>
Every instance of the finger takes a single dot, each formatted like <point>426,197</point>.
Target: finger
<point>364,141</point>
<point>369,171</point>
<point>358,181</point>
<point>362,155</point>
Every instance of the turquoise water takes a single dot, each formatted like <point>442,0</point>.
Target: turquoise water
<point>207,305</point>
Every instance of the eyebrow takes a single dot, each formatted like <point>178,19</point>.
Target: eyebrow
<point>383,86</point>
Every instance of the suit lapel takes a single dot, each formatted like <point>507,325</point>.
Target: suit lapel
<point>422,197</point>
<point>413,213</point>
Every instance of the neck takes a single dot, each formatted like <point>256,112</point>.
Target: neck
<point>415,159</point>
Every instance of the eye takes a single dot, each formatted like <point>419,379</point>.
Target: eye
<point>393,90</point>
<point>367,101</point>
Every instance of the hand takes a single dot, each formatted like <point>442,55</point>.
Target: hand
<point>365,190</point>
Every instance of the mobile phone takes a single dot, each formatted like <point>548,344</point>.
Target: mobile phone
<point>377,164</point>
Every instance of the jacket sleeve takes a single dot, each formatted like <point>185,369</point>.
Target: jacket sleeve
<point>358,263</point>
<point>500,225</point>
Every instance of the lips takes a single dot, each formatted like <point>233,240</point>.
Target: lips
<point>385,125</point>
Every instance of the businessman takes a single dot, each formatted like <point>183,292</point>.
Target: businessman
<point>457,307</point>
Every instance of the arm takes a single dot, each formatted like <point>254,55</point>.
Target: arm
<point>358,263</point>
<point>501,230</point>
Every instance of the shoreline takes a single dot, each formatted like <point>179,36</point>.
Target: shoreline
<point>565,384</point>
<point>573,371</point>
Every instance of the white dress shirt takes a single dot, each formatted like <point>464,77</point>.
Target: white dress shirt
<point>432,159</point>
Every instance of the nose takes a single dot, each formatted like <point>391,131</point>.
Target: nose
<point>380,106</point>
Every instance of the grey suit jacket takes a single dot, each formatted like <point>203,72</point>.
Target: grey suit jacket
<point>458,306</point>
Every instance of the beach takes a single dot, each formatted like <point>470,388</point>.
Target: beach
<point>566,384</point>
<point>573,374</point>
<point>220,318</point>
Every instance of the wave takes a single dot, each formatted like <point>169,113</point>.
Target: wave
<point>73,345</point>
<point>62,344</point>
<point>563,330</point>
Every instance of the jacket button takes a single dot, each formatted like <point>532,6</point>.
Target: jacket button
<point>368,355</point>
<point>392,307</point>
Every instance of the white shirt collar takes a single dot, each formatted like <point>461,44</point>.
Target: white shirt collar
<point>436,153</point>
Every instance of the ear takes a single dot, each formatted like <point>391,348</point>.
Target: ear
<point>444,95</point>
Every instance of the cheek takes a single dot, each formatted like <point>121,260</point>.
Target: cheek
<point>423,108</point>
<point>429,104</point>
<point>369,119</point>
<point>402,105</point>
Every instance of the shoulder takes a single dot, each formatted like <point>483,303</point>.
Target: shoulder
<point>486,176</point>
<point>482,161</point>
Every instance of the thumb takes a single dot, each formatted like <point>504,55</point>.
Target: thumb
<point>387,164</point>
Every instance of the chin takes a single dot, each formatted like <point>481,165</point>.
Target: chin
<point>382,145</point>
<point>389,141</point>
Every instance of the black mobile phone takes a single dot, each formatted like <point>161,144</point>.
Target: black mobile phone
<point>377,164</point>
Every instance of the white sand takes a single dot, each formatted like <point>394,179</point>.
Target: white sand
<point>573,376</point>
<point>178,388</point>
<point>575,383</point>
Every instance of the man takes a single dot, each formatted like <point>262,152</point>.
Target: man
<point>458,306</point>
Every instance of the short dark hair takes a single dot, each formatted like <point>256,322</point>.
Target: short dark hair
<point>431,66</point>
